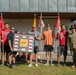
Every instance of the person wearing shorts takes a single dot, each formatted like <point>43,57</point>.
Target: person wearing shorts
<point>11,53</point>
<point>48,36</point>
<point>36,49</point>
<point>5,40</point>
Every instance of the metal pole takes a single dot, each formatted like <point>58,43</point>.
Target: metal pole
<point>58,53</point>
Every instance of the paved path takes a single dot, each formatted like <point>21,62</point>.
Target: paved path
<point>69,57</point>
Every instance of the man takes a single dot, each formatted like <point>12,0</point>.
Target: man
<point>48,37</point>
<point>5,40</point>
<point>72,43</point>
<point>36,49</point>
<point>11,53</point>
<point>63,42</point>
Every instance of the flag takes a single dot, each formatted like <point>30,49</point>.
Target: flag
<point>41,23</point>
<point>58,27</point>
<point>34,20</point>
<point>1,24</point>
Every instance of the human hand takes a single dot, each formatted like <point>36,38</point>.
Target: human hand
<point>11,49</point>
<point>1,40</point>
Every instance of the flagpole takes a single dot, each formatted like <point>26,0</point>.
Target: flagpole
<point>2,42</point>
<point>41,43</point>
<point>2,48</point>
<point>41,50</point>
<point>58,7</point>
<point>40,40</point>
<point>58,52</point>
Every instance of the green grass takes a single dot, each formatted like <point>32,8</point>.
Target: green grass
<point>40,70</point>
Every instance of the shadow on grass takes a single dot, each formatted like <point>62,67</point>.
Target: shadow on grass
<point>19,61</point>
<point>61,63</point>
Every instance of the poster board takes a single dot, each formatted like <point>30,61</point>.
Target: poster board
<point>23,42</point>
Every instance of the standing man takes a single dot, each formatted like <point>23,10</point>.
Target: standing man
<point>72,43</point>
<point>63,42</point>
<point>36,49</point>
<point>11,53</point>
<point>48,37</point>
<point>5,40</point>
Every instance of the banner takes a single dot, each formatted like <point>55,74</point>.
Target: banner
<point>23,42</point>
<point>41,24</point>
<point>58,27</point>
<point>34,20</point>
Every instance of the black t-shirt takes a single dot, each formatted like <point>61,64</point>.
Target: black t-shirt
<point>11,37</point>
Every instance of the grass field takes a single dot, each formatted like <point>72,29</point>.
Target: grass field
<point>23,69</point>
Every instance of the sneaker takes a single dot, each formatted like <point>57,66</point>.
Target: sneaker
<point>2,65</point>
<point>47,64</point>
<point>30,65</point>
<point>10,65</point>
<point>51,64</point>
<point>36,65</point>
<point>14,65</point>
<point>73,66</point>
<point>7,64</point>
<point>58,65</point>
<point>64,65</point>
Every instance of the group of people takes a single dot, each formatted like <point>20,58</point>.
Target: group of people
<point>66,41</point>
<point>7,40</point>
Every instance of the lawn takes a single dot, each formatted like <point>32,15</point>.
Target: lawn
<point>23,69</point>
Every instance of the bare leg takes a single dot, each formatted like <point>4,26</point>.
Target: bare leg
<point>10,59</point>
<point>30,58</point>
<point>51,57</point>
<point>47,57</point>
<point>36,57</point>
<point>14,60</point>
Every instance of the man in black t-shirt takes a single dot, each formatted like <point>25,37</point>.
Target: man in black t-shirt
<point>11,53</point>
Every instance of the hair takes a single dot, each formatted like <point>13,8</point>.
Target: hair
<point>48,24</point>
<point>6,23</point>
<point>11,27</point>
<point>63,25</point>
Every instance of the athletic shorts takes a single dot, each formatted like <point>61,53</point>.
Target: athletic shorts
<point>36,49</point>
<point>63,50</point>
<point>6,49</point>
<point>48,48</point>
<point>11,53</point>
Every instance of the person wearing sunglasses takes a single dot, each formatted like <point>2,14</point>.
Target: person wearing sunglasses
<point>11,53</point>
<point>36,49</point>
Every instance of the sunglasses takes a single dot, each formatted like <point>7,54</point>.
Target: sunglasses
<point>12,29</point>
<point>33,27</point>
<point>47,26</point>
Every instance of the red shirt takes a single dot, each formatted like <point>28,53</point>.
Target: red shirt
<point>63,37</point>
<point>6,31</point>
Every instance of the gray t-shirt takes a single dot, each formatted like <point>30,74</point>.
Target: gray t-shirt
<point>36,33</point>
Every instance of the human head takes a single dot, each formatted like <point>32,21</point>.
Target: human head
<point>63,27</point>
<point>6,25</point>
<point>73,28</point>
<point>34,28</point>
<point>48,26</point>
<point>12,29</point>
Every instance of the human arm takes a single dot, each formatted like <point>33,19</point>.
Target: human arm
<point>53,35</point>
<point>9,42</point>
<point>37,36</point>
